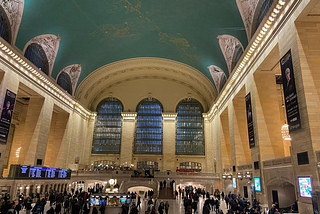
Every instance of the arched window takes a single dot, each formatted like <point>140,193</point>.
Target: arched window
<point>65,82</point>
<point>261,13</point>
<point>107,128</point>
<point>35,54</point>
<point>5,30</point>
<point>236,56</point>
<point>189,128</point>
<point>148,136</point>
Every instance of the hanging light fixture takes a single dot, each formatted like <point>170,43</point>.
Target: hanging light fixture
<point>285,132</point>
<point>285,128</point>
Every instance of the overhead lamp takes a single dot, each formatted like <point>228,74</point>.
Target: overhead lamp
<point>282,2</point>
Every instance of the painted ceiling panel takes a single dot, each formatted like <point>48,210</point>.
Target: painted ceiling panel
<point>97,32</point>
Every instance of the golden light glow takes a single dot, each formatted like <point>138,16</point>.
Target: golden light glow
<point>285,132</point>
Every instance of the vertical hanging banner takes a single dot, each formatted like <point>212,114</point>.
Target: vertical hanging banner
<point>6,115</point>
<point>250,121</point>
<point>289,91</point>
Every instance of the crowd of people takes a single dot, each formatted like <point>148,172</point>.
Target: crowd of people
<point>77,202</point>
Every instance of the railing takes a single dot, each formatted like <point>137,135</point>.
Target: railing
<point>115,173</point>
<point>245,167</point>
<point>277,162</point>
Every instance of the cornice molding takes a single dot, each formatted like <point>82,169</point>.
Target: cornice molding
<point>156,67</point>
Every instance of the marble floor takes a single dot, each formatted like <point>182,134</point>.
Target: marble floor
<point>176,207</point>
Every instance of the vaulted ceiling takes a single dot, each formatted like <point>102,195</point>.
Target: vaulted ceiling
<point>98,32</point>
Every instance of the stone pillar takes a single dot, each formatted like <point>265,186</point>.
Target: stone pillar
<point>169,141</point>
<point>88,143</point>
<point>225,140</point>
<point>208,145</point>
<point>9,81</point>
<point>57,133</point>
<point>127,136</point>
<point>36,131</point>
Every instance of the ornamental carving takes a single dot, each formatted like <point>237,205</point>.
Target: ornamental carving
<point>247,10</point>
<point>218,76</point>
<point>74,72</point>
<point>14,10</point>
<point>228,46</point>
<point>50,45</point>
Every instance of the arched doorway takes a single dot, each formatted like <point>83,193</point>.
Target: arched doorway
<point>282,192</point>
<point>140,190</point>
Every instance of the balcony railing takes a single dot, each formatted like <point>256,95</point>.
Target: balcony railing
<point>277,162</point>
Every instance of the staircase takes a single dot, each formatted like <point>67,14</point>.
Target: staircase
<point>166,193</point>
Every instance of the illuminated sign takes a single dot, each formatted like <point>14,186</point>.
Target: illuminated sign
<point>36,172</point>
<point>257,184</point>
<point>305,187</point>
<point>234,182</point>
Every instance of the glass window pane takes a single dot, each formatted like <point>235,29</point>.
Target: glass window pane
<point>5,29</point>
<point>189,128</point>
<point>148,135</point>
<point>107,128</point>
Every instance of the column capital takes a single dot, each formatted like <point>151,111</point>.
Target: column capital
<point>170,116</point>
<point>129,116</point>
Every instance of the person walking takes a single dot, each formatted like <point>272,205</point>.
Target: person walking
<point>58,208</point>
<point>166,207</point>
<point>161,208</point>
<point>102,208</point>
<point>94,210</point>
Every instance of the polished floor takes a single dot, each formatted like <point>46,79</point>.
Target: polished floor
<point>176,207</point>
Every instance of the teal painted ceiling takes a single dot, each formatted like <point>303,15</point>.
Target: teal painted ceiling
<point>97,32</point>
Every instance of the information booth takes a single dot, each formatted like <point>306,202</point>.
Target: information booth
<point>113,201</point>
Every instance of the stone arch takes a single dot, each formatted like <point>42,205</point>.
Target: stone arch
<point>74,72</point>
<point>14,10</point>
<point>50,45</point>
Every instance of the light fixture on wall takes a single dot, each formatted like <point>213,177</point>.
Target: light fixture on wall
<point>18,152</point>
<point>285,128</point>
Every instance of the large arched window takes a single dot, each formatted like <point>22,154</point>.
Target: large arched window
<point>35,54</point>
<point>107,128</point>
<point>236,56</point>
<point>261,13</point>
<point>189,128</point>
<point>65,82</point>
<point>148,136</point>
<point>5,30</point>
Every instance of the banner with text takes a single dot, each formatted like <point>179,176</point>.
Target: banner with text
<point>250,121</point>
<point>289,91</point>
<point>6,115</point>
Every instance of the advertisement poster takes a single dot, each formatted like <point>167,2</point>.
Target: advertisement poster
<point>289,91</point>
<point>234,182</point>
<point>257,184</point>
<point>305,187</point>
<point>6,115</point>
<point>250,121</point>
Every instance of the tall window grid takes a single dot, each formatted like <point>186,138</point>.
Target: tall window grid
<point>148,136</point>
<point>107,128</point>
<point>35,54</point>
<point>5,30</point>
<point>189,128</point>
